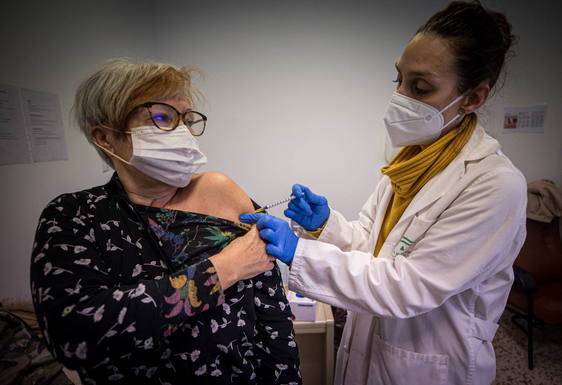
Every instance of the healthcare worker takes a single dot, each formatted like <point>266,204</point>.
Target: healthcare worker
<point>426,269</point>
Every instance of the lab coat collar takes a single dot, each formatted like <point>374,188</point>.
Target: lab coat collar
<point>482,145</point>
<point>478,147</point>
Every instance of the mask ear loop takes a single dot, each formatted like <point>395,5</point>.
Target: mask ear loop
<point>459,114</point>
<point>453,102</point>
<point>106,150</point>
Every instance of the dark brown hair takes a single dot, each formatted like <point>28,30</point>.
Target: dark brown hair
<point>480,39</point>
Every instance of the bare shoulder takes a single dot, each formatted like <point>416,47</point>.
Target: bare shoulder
<point>219,181</point>
<point>219,186</point>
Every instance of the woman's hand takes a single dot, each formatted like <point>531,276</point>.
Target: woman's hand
<point>243,258</point>
<point>308,209</point>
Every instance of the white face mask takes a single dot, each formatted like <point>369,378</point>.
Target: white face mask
<point>170,157</point>
<point>409,121</point>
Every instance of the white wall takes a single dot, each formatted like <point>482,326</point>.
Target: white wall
<point>295,92</point>
<point>52,46</point>
<point>534,77</point>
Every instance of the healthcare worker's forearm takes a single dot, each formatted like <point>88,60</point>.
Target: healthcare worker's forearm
<point>358,282</point>
<point>352,235</point>
<point>346,235</point>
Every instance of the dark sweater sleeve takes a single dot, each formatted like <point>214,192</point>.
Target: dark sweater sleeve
<point>277,348</point>
<point>87,315</point>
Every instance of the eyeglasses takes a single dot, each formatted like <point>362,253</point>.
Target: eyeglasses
<point>167,118</point>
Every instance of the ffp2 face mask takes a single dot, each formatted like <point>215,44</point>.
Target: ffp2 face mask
<point>409,121</point>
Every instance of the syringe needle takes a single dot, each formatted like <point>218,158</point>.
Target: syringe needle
<point>267,207</point>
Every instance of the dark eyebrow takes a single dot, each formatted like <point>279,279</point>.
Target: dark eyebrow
<point>417,73</point>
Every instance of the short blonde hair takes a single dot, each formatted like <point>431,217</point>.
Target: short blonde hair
<point>109,94</point>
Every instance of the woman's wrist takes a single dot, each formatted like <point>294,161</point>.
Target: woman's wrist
<point>226,270</point>
<point>316,233</point>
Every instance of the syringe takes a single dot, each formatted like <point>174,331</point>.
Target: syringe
<point>267,207</point>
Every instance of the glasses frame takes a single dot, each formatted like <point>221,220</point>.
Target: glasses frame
<point>181,117</point>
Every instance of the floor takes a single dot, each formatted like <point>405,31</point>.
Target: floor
<point>510,344</point>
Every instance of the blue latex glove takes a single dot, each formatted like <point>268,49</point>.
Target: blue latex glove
<point>307,209</point>
<point>281,241</point>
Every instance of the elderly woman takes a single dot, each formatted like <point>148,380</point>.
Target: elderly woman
<point>151,278</point>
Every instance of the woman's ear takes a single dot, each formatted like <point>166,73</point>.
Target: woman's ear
<point>476,98</point>
<point>101,137</point>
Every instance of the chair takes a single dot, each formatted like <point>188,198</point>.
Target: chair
<point>536,296</point>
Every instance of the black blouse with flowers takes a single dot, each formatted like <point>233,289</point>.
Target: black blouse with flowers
<point>126,294</point>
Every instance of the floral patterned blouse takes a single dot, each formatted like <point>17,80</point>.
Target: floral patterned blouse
<point>126,294</point>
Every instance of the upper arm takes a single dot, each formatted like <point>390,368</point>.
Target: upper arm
<point>221,188</point>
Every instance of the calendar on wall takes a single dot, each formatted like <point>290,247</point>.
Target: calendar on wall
<point>525,119</point>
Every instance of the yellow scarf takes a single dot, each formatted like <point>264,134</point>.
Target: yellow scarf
<point>412,168</point>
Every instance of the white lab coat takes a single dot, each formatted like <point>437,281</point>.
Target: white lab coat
<point>426,310</point>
